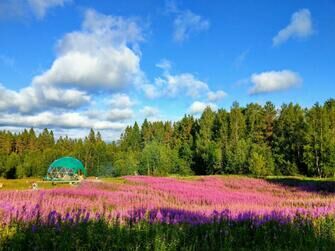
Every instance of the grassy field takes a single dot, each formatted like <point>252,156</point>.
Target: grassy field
<point>26,184</point>
<point>171,213</point>
<point>21,184</point>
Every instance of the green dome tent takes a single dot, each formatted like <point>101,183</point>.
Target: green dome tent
<point>65,169</point>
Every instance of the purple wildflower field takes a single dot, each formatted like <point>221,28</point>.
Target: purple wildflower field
<point>167,200</point>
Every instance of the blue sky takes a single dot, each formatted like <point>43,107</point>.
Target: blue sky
<point>71,65</point>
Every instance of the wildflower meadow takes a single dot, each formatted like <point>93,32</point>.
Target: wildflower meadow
<point>165,213</point>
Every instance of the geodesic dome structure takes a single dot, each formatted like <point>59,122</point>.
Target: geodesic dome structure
<point>66,169</point>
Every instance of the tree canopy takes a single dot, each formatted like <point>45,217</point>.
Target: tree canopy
<point>255,139</point>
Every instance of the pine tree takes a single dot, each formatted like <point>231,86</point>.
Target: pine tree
<point>269,119</point>
<point>208,156</point>
<point>238,147</point>
<point>288,140</point>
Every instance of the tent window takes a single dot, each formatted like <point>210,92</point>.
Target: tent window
<point>70,172</point>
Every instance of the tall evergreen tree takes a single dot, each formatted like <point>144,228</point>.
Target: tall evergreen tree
<point>288,142</point>
<point>237,149</point>
<point>255,139</point>
<point>208,156</point>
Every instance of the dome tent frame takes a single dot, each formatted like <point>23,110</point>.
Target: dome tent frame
<point>66,169</point>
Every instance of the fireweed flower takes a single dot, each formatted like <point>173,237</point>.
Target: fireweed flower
<point>168,200</point>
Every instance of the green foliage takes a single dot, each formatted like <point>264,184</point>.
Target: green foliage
<point>126,163</point>
<point>12,162</point>
<point>289,140</point>
<point>301,235</point>
<point>255,139</point>
<point>260,162</point>
<point>159,159</point>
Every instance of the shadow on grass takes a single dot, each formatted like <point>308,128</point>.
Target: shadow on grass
<point>100,235</point>
<point>308,185</point>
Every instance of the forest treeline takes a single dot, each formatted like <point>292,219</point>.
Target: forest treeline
<point>257,140</point>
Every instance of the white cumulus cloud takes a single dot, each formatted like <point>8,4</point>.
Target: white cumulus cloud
<point>101,55</point>
<point>37,98</point>
<point>272,81</point>
<point>301,26</point>
<point>182,84</point>
<point>216,96</point>
<point>80,90</point>
<point>152,91</point>
<point>185,82</point>
<point>120,114</point>
<point>66,98</point>
<point>58,120</point>
<point>171,85</point>
<point>198,107</point>
<point>149,111</point>
<point>121,100</point>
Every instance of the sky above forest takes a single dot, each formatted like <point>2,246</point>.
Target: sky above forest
<point>72,65</point>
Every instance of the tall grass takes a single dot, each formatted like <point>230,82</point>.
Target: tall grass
<point>301,234</point>
<point>153,213</point>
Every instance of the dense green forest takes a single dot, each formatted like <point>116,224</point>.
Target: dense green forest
<point>257,140</point>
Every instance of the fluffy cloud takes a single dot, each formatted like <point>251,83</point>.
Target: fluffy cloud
<point>171,85</point>
<point>121,107</point>
<point>120,100</point>
<point>184,82</point>
<point>272,81</point>
<point>152,91</point>
<point>101,55</point>
<point>40,7</point>
<point>119,114</point>
<point>187,23</point>
<point>149,111</point>
<point>117,107</point>
<point>77,91</point>
<point>66,98</point>
<point>34,98</point>
<point>57,120</point>
<point>10,99</point>
<point>216,96</point>
<point>301,26</point>
<point>198,107</point>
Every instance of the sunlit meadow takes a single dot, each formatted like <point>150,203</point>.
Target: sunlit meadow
<point>136,201</point>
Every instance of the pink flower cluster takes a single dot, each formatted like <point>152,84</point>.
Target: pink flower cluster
<point>161,198</point>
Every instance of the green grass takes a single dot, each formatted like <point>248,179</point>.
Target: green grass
<point>117,180</point>
<point>23,184</point>
<point>300,235</point>
<point>305,183</point>
<point>301,178</point>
